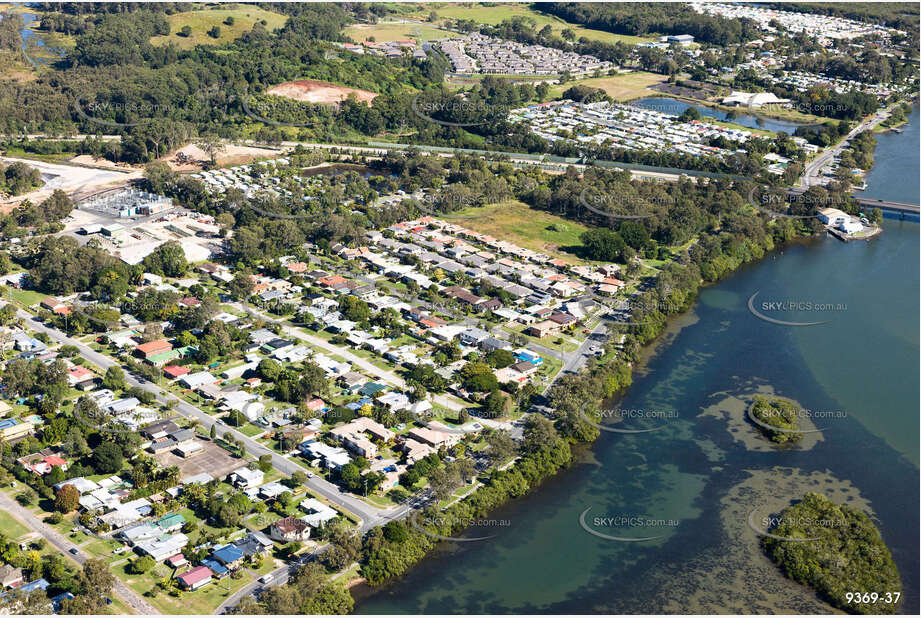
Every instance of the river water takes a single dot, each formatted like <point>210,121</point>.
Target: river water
<point>698,481</point>
<point>674,106</point>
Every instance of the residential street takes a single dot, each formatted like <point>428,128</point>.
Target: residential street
<point>369,514</point>
<point>386,376</point>
<point>61,543</point>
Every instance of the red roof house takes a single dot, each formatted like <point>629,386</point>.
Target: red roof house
<point>174,371</point>
<point>152,348</point>
<point>195,578</point>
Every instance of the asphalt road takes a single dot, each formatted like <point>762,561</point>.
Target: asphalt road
<point>61,543</point>
<point>369,514</point>
<point>812,175</point>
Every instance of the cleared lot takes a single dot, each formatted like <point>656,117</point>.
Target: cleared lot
<point>213,460</point>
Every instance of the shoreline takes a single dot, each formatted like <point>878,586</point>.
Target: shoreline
<point>671,328</point>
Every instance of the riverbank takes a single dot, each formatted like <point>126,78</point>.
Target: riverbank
<point>386,566</point>
<point>704,471</point>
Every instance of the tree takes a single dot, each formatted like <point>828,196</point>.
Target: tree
<point>351,476</point>
<point>212,433</point>
<point>212,145</point>
<point>215,32</point>
<point>689,114</point>
<point>466,469</point>
<point>168,259</point>
<point>96,583</point>
<point>55,476</point>
<point>478,377</point>
<point>539,434</point>
<point>67,499</point>
<point>108,458</point>
<point>142,564</point>
<point>443,481</point>
<point>265,463</point>
<point>269,369</point>
<point>606,245</point>
<point>186,31</point>
<point>114,378</point>
<point>241,286</point>
<point>502,447</point>
<point>500,358</point>
<point>497,404</point>
<point>396,532</point>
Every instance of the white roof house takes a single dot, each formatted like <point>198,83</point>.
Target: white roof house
<point>244,477</point>
<point>164,547</point>
<point>81,484</point>
<point>317,512</point>
<point>199,378</point>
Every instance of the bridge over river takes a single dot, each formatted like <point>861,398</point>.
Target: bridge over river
<point>894,210</point>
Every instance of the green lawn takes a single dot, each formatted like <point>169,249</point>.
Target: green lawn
<point>622,87</point>
<point>200,21</point>
<point>10,527</point>
<point>203,601</point>
<point>516,222</point>
<point>26,298</point>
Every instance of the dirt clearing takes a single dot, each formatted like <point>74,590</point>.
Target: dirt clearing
<point>313,91</point>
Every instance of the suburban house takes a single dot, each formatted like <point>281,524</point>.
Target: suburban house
<point>230,556</point>
<point>289,529</point>
<point>245,478</point>
<point>318,514</point>
<point>352,435</point>
<point>12,429</point>
<point>434,437</point>
<point>42,464</point>
<point>55,306</point>
<point>80,377</point>
<point>416,450</point>
<point>10,576</point>
<point>163,547</point>
<point>196,578</point>
<point>153,348</point>
<point>254,543</point>
<point>543,328</point>
<point>473,336</point>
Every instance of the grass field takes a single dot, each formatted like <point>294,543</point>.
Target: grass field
<point>26,298</point>
<point>10,527</point>
<point>619,87</point>
<point>500,12</point>
<point>395,32</point>
<point>201,21</point>
<point>524,226</point>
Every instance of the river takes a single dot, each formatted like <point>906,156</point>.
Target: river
<point>698,480</point>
